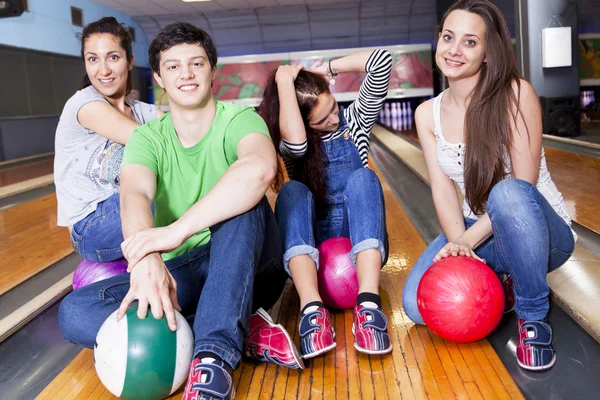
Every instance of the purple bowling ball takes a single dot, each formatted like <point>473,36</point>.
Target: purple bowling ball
<point>88,272</point>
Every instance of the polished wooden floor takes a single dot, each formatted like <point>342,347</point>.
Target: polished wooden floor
<point>31,241</point>
<point>20,173</point>
<point>421,366</point>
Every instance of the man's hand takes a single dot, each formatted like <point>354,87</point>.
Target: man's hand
<point>147,241</point>
<point>152,284</point>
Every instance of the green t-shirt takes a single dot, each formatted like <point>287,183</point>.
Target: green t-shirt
<point>184,175</point>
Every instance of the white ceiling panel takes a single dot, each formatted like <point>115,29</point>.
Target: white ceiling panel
<point>266,26</point>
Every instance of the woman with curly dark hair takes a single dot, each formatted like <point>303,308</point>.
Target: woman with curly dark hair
<point>332,192</point>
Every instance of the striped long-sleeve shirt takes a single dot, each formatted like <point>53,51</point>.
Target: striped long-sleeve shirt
<point>360,115</point>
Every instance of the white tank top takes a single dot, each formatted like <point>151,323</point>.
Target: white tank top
<point>450,157</point>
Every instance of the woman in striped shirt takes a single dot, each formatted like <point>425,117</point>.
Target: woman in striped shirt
<point>332,192</point>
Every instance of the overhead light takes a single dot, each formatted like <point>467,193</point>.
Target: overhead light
<point>193,1</point>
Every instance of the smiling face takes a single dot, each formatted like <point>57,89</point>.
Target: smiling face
<point>461,45</point>
<point>186,75</point>
<point>106,64</point>
<point>324,117</point>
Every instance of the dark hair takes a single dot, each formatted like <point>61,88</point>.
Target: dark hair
<point>310,169</point>
<point>488,135</point>
<point>180,33</point>
<point>111,26</point>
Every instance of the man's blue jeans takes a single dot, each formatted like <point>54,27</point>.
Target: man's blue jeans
<point>98,236</point>
<point>219,283</point>
<point>529,240</point>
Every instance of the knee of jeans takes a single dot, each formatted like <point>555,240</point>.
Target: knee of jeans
<point>509,195</point>
<point>409,304</point>
<point>293,189</point>
<point>71,315</point>
<point>361,179</point>
<point>290,192</point>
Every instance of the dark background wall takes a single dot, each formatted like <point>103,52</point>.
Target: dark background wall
<point>35,87</point>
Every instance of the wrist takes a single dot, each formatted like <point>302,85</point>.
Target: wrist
<point>179,230</point>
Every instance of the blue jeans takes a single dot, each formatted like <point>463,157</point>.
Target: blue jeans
<point>218,285</point>
<point>98,236</point>
<point>529,240</point>
<point>354,208</point>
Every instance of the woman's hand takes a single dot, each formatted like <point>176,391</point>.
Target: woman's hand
<point>457,248</point>
<point>287,73</point>
<point>321,70</point>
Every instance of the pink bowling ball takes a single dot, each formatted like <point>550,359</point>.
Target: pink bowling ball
<point>338,283</point>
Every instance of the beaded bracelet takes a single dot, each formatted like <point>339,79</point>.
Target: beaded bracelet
<point>330,73</point>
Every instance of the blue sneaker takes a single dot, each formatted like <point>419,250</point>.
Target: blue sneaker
<point>209,381</point>
<point>535,350</point>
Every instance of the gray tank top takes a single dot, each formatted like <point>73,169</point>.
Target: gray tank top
<point>86,164</point>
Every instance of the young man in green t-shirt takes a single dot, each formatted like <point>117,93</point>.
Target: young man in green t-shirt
<point>212,248</point>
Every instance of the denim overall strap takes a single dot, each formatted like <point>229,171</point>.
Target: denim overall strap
<point>342,160</point>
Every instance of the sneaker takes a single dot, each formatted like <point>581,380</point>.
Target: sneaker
<point>209,381</point>
<point>270,342</point>
<point>316,333</point>
<point>509,294</point>
<point>370,331</point>
<point>535,350</point>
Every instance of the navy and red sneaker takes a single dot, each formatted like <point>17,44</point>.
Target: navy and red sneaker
<point>370,331</point>
<point>509,294</point>
<point>270,342</point>
<point>535,350</point>
<point>209,381</point>
<point>316,333</point>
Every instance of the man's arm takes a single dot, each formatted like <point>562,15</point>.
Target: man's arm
<point>150,283</point>
<point>240,188</point>
<point>138,187</point>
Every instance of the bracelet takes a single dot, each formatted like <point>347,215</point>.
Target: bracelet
<point>330,73</point>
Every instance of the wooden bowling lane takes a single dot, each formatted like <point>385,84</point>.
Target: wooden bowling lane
<point>23,172</point>
<point>578,179</point>
<point>421,366</point>
<point>31,241</point>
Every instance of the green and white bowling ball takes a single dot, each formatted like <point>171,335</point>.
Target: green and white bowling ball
<point>142,358</point>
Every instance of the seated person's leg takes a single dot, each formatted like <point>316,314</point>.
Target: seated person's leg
<point>221,322</point>
<point>295,210</point>
<point>82,312</point>
<point>270,276</point>
<point>409,292</point>
<point>540,242</point>
<point>366,215</point>
<point>98,236</point>
<point>267,341</point>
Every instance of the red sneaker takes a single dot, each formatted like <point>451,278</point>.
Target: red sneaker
<point>316,333</point>
<point>209,381</point>
<point>535,350</point>
<point>270,342</point>
<point>370,331</point>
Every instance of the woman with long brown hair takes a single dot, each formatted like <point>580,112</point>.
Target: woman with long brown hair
<point>95,124</point>
<point>332,192</point>
<point>484,133</point>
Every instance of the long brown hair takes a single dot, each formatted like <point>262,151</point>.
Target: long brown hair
<point>111,26</point>
<point>310,169</point>
<point>488,135</point>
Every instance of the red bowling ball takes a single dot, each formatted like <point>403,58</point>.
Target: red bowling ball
<point>460,299</point>
<point>338,282</point>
